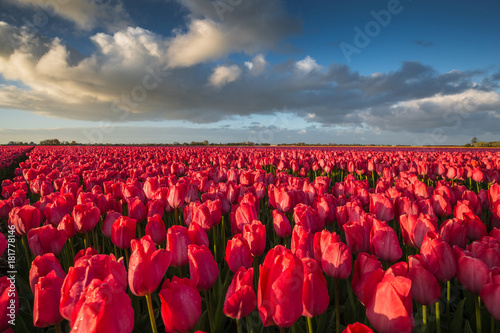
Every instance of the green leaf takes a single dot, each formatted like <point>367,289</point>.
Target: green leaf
<point>468,329</point>
<point>456,323</point>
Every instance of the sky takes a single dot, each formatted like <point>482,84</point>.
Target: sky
<point>413,72</point>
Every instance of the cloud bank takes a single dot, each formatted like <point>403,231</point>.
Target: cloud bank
<point>134,74</point>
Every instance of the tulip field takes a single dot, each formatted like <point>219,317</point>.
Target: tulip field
<point>265,239</point>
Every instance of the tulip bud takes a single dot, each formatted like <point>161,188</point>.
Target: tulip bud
<point>240,299</point>
<point>180,305</point>
<point>147,266</point>
<point>203,269</point>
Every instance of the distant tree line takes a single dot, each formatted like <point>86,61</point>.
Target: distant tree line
<point>482,144</point>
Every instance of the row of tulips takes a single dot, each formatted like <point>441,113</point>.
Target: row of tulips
<point>315,240</point>
<point>9,155</point>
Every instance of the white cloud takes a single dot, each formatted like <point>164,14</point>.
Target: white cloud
<point>257,65</point>
<point>250,27</point>
<point>204,40</point>
<point>223,75</point>
<point>307,65</point>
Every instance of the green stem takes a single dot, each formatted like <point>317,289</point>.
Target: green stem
<point>86,240</point>
<point>181,271</point>
<point>424,318</point>
<point>126,257</point>
<point>438,319</point>
<point>337,306</point>
<point>209,310</point>
<point>215,242</point>
<point>72,249</point>
<point>58,327</point>
<point>256,273</point>
<point>478,314</point>
<point>116,251</point>
<point>492,324</point>
<point>223,235</point>
<point>238,325</point>
<point>26,252</point>
<point>250,327</point>
<point>309,325</point>
<point>176,216</point>
<point>94,240</point>
<point>282,330</point>
<point>151,314</point>
<point>139,231</point>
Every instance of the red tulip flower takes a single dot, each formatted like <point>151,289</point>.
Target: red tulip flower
<point>86,217</point>
<point>425,288</point>
<point>137,210</point>
<point>336,260</point>
<point>315,296</point>
<point>202,216</point>
<point>43,265</point>
<point>68,225</point>
<point>366,270</point>
<point>5,208</point>
<point>197,235</point>
<point>177,243</point>
<point>476,228</point>
<point>384,242</point>
<point>156,229</point>
<point>87,253</point>
<point>284,200</point>
<point>180,305</point>
<point>490,295</point>
<point>47,299</point>
<point>390,308</point>
<point>281,224</point>
<point>107,224</point>
<point>215,209</point>
<point>150,186</point>
<point>240,299</point>
<point>123,231</point>
<point>147,266</point>
<point>415,227</point>
<point>438,256</point>
<point>302,242</point>
<point>203,269</point>
<point>255,235</point>
<point>177,195</point>
<point>24,219</point>
<point>472,273</point>
<point>321,241</point>
<point>280,288</point>
<point>54,212</point>
<point>357,237</point>
<point>103,308</point>
<point>155,207</point>
<point>357,328</point>
<point>488,250</point>
<point>454,232</point>
<point>87,268</point>
<point>382,207</point>
<point>245,214</point>
<point>441,205</point>
<point>308,218</point>
<point>238,253</point>
<point>46,239</point>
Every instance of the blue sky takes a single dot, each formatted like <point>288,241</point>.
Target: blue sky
<point>120,71</point>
